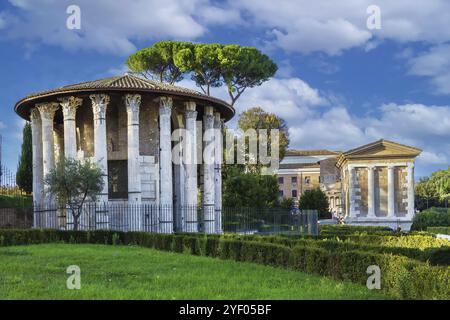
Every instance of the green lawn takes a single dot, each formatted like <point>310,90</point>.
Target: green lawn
<point>119,272</point>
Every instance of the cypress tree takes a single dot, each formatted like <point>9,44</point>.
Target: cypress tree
<point>24,176</point>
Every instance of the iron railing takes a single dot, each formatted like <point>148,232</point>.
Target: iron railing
<point>163,219</point>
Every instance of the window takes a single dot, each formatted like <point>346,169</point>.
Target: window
<point>280,193</point>
<point>307,180</point>
<point>280,180</point>
<point>294,193</point>
<point>294,179</point>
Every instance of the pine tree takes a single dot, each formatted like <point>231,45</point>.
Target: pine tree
<point>24,176</point>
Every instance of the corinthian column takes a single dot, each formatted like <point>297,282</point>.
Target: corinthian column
<point>190,158</point>
<point>351,192</point>
<point>133,102</point>
<point>38,182</point>
<point>371,192</point>
<point>99,105</point>
<point>410,192</point>
<point>218,143</point>
<point>208,171</point>
<point>165,165</point>
<point>391,192</point>
<point>69,107</point>
<point>47,112</point>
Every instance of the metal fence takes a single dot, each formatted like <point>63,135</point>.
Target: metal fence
<point>163,219</point>
<point>8,185</point>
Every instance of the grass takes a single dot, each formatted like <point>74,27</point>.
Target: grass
<point>120,272</point>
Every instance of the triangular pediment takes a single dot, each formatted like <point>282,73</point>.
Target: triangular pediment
<point>383,148</point>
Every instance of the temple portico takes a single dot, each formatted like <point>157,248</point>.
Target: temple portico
<point>378,184</point>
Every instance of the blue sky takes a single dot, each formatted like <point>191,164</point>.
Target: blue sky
<point>339,84</point>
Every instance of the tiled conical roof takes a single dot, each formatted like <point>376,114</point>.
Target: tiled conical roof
<point>124,83</point>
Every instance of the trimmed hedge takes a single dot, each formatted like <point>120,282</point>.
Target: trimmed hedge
<point>433,217</point>
<point>401,277</point>
<point>336,230</point>
<point>439,230</point>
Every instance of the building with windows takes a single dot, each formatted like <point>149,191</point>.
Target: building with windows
<point>301,170</point>
<point>370,185</point>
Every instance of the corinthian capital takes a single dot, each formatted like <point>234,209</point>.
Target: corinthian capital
<point>165,105</point>
<point>47,110</point>
<point>190,110</point>
<point>133,101</point>
<point>69,106</point>
<point>99,104</point>
<point>35,116</point>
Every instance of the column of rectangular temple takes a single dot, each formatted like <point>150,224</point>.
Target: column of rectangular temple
<point>218,142</point>
<point>208,171</point>
<point>370,191</point>
<point>391,191</point>
<point>133,102</point>
<point>165,165</point>
<point>410,189</point>
<point>38,181</point>
<point>99,105</point>
<point>69,108</point>
<point>351,192</point>
<point>190,158</point>
<point>47,113</point>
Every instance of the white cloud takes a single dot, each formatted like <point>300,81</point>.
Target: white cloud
<point>291,97</point>
<point>106,26</point>
<point>333,26</point>
<point>296,25</point>
<point>434,64</point>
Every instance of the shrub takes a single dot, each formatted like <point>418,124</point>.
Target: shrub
<point>439,230</point>
<point>433,217</point>
<point>440,257</point>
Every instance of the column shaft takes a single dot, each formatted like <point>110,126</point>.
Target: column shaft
<point>47,112</point>
<point>190,158</point>
<point>165,165</point>
<point>133,102</point>
<point>391,191</point>
<point>38,182</point>
<point>208,171</point>
<point>218,142</point>
<point>99,105</point>
<point>351,192</point>
<point>69,107</point>
<point>410,192</point>
<point>371,192</point>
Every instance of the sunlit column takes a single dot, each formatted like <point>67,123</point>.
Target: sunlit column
<point>36,133</point>
<point>371,192</point>
<point>133,102</point>
<point>391,191</point>
<point>410,191</point>
<point>69,107</point>
<point>218,142</point>
<point>208,170</point>
<point>99,105</point>
<point>165,165</point>
<point>47,113</point>
<point>190,158</point>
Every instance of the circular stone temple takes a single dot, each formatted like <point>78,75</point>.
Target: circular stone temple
<point>125,125</point>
